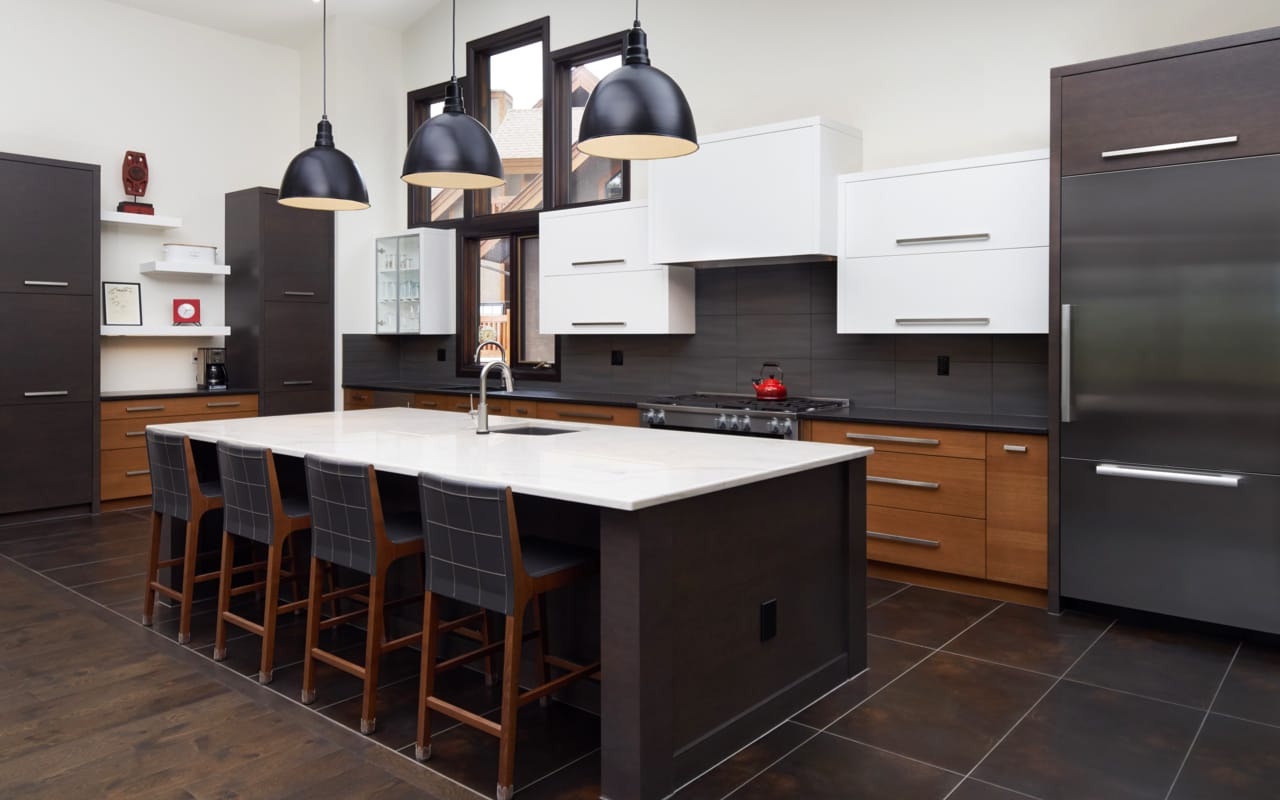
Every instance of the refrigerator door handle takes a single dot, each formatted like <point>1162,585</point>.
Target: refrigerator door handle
<point>1117,471</point>
<point>1065,389</point>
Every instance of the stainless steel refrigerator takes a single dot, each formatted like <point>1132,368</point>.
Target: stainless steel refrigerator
<point>1170,433</point>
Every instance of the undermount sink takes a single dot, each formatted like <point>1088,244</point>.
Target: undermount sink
<point>531,430</point>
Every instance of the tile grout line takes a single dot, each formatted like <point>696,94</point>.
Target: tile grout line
<point>1187,756</point>
<point>894,593</point>
<point>775,762</point>
<point>1245,719</point>
<point>139,554</point>
<point>1027,713</point>
<point>560,768</point>
<point>938,767</point>
<point>973,658</point>
<point>1079,682</point>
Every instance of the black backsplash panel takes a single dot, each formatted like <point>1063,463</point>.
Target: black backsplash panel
<point>750,315</point>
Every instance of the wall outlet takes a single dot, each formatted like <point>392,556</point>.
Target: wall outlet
<point>944,365</point>
<point>768,619</point>
<point>441,355</point>
<point>615,358</point>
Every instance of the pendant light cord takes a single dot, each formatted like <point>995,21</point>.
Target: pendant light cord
<point>637,12</point>
<point>324,60</point>
<point>453,43</point>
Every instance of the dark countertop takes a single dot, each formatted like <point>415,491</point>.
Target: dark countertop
<point>192,392</point>
<point>1005,423</point>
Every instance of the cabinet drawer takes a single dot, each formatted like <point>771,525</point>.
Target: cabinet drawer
<point>48,456</point>
<point>581,412</point>
<point>1018,509</point>
<point>656,300</point>
<point>984,291</point>
<point>353,399</point>
<point>46,348</point>
<point>185,407</point>
<point>936,484</point>
<point>299,353</point>
<point>515,408</point>
<point>435,402</point>
<point>902,438</point>
<point>1220,94</point>
<point>979,208</point>
<point>297,402</point>
<point>119,434</point>
<point>927,541</point>
<point>125,473</point>
<point>594,240</point>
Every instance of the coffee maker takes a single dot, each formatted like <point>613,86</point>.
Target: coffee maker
<point>211,368</point>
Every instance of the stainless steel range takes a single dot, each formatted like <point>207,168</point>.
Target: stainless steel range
<point>742,414</point>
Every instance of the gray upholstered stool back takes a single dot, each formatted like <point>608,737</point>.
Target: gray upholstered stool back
<point>170,481</point>
<point>467,532</point>
<point>341,498</point>
<point>246,491</point>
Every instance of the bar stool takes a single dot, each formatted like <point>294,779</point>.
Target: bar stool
<point>350,529</point>
<point>178,492</point>
<point>475,554</point>
<point>254,509</point>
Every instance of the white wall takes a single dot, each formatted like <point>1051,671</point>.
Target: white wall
<point>86,80</point>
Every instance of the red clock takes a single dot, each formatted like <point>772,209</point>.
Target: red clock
<point>186,312</point>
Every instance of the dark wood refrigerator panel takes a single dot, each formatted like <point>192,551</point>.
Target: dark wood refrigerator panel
<point>299,252</point>
<point>301,353</point>
<point>49,228</point>
<point>300,402</point>
<point>46,349</point>
<point>48,456</point>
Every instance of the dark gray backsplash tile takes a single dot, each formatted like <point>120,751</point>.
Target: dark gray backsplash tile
<point>796,375</point>
<point>586,363</point>
<point>367,358</point>
<point>642,345</point>
<point>864,383</point>
<point>418,358</point>
<point>826,343</point>
<point>917,385</point>
<point>716,337</point>
<point>928,346</point>
<point>704,375</point>
<point>772,337</point>
<point>1019,389</point>
<point>643,375</point>
<point>1022,348</point>
<point>822,283</point>
<point>716,291</point>
<point>774,290</point>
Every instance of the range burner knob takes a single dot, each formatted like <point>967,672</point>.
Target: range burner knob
<point>722,422</point>
<point>648,416</point>
<point>733,422</point>
<point>786,426</point>
<point>775,425</point>
<point>659,417</point>
<point>746,422</point>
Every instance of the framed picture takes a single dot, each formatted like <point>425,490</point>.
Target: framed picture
<point>121,303</point>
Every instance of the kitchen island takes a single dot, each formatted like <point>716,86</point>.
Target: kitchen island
<point>732,568</point>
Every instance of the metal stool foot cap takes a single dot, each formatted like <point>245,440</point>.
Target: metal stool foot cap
<point>422,752</point>
<point>545,701</point>
<point>184,638</point>
<point>504,793</point>
<point>146,620</point>
<point>368,726</point>
<point>308,697</point>
<point>264,677</point>
<point>219,655</point>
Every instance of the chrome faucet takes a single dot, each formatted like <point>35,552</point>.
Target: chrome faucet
<point>482,413</point>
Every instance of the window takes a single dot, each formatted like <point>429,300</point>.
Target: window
<point>580,178</point>
<point>431,205</point>
<point>502,297</point>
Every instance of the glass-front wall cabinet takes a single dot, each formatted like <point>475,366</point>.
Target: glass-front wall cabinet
<point>415,282</point>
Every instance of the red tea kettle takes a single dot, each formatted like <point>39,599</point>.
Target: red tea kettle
<point>770,388</point>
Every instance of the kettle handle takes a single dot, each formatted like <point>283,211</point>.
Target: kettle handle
<point>771,364</point>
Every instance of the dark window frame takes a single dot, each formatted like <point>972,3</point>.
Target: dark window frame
<point>562,63</point>
<point>419,111</point>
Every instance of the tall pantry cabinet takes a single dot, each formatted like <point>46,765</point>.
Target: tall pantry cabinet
<point>280,301</point>
<point>49,273</point>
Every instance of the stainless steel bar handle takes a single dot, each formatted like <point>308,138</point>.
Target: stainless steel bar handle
<point>1015,448</point>
<point>1065,388</point>
<point>53,393</point>
<point>581,324</point>
<point>299,294</point>
<point>942,321</point>
<point>1163,148</point>
<point>45,283</point>
<point>296,383</point>
<point>584,415</point>
<point>903,482</point>
<point>1172,476</point>
<point>876,437</point>
<point>226,404</point>
<point>133,473</point>
<point>889,537</point>
<point>135,409</point>
<point>957,237</point>
<point>595,262</point>
<point>132,434</point>
<point>427,403</point>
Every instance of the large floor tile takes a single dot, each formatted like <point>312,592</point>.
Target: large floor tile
<point>578,781</point>
<point>97,571</point>
<point>1252,687</point>
<point>1031,638</point>
<point>886,660</point>
<point>1086,742</point>
<point>1177,667</point>
<point>1231,758</point>
<point>746,763</point>
<point>878,589</point>
<point>977,790</point>
<point>831,768</point>
<point>927,617</point>
<point>948,711</point>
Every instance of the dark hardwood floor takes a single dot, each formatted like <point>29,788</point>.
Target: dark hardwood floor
<point>965,698</point>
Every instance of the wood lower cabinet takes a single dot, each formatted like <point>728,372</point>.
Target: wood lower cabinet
<point>498,405</point>
<point>958,503</point>
<point>583,412</point>
<point>126,478</point>
<point>356,399</point>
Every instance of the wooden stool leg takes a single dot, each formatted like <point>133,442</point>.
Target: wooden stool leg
<point>510,705</point>
<point>296,579</point>
<point>488,660</point>
<point>270,613</point>
<point>189,577</point>
<point>224,596</point>
<point>427,687</point>
<point>313,632</point>
<point>153,569</point>
<point>540,619</point>
<point>372,654</point>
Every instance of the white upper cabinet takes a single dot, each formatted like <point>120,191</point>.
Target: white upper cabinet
<point>595,275</point>
<point>753,194</point>
<point>415,273</point>
<point>955,247</point>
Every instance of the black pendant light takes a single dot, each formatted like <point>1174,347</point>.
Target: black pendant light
<point>453,150</point>
<point>323,177</point>
<point>637,111</point>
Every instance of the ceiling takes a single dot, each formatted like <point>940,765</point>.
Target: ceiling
<point>285,22</point>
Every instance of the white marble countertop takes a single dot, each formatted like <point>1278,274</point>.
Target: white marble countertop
<point>601,465</point>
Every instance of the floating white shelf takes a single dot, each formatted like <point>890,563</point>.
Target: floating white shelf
<point>141,220</point>
<point>166,330</point>
<point>183,268</point>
